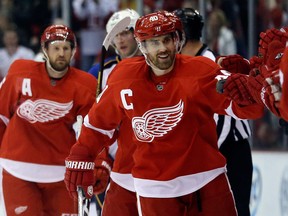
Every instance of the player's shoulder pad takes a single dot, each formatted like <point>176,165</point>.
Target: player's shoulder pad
<point>194,65</point>
<point>83,78</point>
<point>21,66</point>
<point>197,60</point>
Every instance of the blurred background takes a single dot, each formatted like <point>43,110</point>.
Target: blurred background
<point>245,18</point>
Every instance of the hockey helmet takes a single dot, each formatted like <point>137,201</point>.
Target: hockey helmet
<point>58,32</point>
<point>156,24</point>
<point>119,15</point>
<point>192,22</point>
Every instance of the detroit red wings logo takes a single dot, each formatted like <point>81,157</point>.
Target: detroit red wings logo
<point>157,122</point>
<point>43,110</point>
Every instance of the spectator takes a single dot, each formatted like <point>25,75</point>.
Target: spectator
<point>171,5</point>
<point>95,14</point>
<point>178,169</point>
<point>42,101</point>
<point>4,24</point>
<point>232,134</point>
<point>232,12</point>
<point>149,6</point>
<point>279,17</point>
<point>12,50</point>
<point>219,37</point>
<point>30,17</point>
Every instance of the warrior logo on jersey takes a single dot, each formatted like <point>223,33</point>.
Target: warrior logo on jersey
<point>157,122</point>
<point>43,110</point>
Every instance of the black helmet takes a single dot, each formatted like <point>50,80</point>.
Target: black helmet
<point>192,22</point>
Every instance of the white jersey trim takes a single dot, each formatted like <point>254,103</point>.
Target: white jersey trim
<point>4,119</point>
<point>179,186</point>
<point>87,124</point>
<point>33,172</point>
<point>230,112</point>
<point>124,180</point>
<point>281,76</point>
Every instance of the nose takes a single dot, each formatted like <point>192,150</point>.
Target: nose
<point>161,46</point>
<point>61,52</point>
<point>119,38</point>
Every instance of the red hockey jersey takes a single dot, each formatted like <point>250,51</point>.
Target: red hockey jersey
<point>172,119</point>
<point>36,118</point>
<point>283,106</point>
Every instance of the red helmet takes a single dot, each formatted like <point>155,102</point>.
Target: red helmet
<point>178,23</point>
<point>156,24</point>
<point>179,28</point>
<point>58,32</point>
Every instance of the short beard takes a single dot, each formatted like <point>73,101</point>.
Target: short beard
<point>59,68</point>
<point>163,65</point>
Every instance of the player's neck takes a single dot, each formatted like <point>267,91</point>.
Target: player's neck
<point>159,72</point>
<point>55,74</point>
<point>191,48</point>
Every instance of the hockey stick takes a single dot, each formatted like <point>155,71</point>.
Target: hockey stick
<point>83,203</point>
<point>119,27</point>
<point>79,125</point>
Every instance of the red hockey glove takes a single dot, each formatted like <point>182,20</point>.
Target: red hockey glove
<point>255,85</point>
<point>274,54</point>
<point>103,166</point>
<point>235,87</point>
<point>267,37</point>
<point>234,63</point>
<point>255,62</point>
<point>79,171</point>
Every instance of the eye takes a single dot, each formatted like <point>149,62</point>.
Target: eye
<point>125,33</point>
<point>167,40</point>
<point>154,42</point>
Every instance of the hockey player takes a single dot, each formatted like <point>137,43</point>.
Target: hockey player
<point>116,203</point>
<point>232,134</point>
<point>39,105</point>
<point>121,196</point>
<point>178,169</point>
<point>124,43</point>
